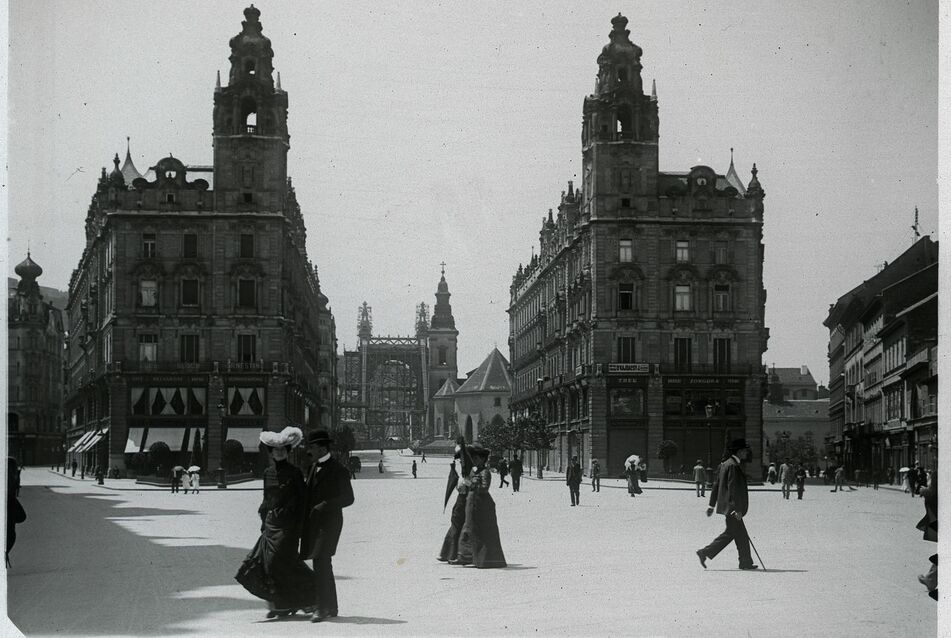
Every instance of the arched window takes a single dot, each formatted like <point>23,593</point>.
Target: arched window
<point>249,113</point>
<point>624,125</point>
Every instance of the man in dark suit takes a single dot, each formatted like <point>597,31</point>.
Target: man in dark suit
<point>328,492</point>
<point>730,497</point>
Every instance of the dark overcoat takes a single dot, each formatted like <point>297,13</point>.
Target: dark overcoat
<point>729,492</point>
<point>328,492</point>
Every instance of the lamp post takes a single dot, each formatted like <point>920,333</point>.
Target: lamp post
<point>709,411</point>
<point>222,483</point>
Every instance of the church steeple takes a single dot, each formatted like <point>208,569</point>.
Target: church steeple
<point>250,126</point>
<point>442,311</point>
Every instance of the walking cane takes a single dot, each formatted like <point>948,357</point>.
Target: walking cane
<point>743,523</point>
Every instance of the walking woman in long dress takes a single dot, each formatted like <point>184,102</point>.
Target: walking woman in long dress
<point>479,543</point>
<point>273,569</point>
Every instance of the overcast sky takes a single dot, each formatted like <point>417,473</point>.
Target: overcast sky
<point>430,132</point>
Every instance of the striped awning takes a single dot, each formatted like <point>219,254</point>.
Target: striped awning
<point>88,445</point>
<point>81,441</point>
<point>248,437</point>
<point>173,437</point>
<point>134,440</point>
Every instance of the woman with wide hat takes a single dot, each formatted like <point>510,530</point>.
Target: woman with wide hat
<point>479,543</point>
<point>273,569</point>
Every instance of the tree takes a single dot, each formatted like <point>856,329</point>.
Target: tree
<point>532,433</point>
<point>344,440</point>
<point>667,451</point>
<point>197,454</point>
<point>496,435</point>
<point>159,456</point>
<point>233,455</point>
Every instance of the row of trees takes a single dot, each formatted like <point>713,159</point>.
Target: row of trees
<point>523,433</point>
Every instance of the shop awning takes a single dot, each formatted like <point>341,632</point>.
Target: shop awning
<point>248,437</point>
<point>82,440</point>
<point>134,440</point>
<point>172,437</point>
<point>88,445</point>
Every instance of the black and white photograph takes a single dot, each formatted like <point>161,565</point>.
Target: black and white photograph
<point>331,313</point>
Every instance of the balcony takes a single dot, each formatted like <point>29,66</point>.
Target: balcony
<point>159,366</point>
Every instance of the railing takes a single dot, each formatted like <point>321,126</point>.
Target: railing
<point>251,128</point>
<point>629,368</point>
<point>274,367</point>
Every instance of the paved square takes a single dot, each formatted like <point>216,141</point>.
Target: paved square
<point>123,561</point>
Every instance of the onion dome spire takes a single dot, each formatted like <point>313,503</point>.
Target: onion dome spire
<point>28,270</point>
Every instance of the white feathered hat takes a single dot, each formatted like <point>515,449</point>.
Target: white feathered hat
<point>289,436</point>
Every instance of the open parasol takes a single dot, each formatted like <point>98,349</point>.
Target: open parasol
<point>193,468</point>
<point>633,460</point>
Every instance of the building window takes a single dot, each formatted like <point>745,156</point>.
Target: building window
<point>721,355</point>
<point>682,298</point>
<point>682,353</point>
<point>497,402</point>
<point>247,348</point>
<point>148,347</point>
<point>246,250</point>
<point>719,253</point>
<point>721,297</point>
<point>625,349</point>
<point>683,252</point>
<point>190,246</point>
<point>169,198</point>
<point>625,297</point>
<point>246,293</point>
<point>248,198</point>
<point>626,202</point>
<point>442,355</point>
<point>189,292</point>
<point>148,245</point>
<point>148,291</point>
<point>188,349</point>
<point>626,250</point>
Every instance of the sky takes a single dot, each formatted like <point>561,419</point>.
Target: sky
<point>431,132</point>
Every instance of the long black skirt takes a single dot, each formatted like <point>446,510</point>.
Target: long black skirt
<point>273,571</point>
<point>479,543</point>
<point>450,544</point>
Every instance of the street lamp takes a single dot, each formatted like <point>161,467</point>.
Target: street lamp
<point>222,483</point>
<point>709,410</point>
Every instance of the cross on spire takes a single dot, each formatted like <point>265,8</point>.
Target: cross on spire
<point>442,265</point>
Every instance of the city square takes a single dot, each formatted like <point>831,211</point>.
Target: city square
<point>656,246</point>
<point>119,560</point>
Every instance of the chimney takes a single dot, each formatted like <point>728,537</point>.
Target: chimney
<point>804,370</point>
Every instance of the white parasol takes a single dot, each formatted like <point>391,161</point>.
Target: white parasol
<point>633,459</point>
<point>193,468</point>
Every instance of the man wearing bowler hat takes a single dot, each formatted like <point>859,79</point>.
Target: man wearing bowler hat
<point>328,492</point>
<point>730,497</point>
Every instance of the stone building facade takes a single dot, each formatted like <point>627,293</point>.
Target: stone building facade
<point>195,310</point>
<point>883,371</point>
<point>34,371</point>
<point>643,310</point>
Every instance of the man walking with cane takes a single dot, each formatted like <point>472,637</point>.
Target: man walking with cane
<point>730,497</point>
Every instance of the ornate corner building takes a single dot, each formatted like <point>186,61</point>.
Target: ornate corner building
<point>641,318</point>
<point>194,310</point>
<point>34,371</point>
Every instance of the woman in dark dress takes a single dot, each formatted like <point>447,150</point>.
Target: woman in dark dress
<point>479,543</point>
<point>273,569</point>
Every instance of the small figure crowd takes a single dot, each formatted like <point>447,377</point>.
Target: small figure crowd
<point>189,479</point>
<point>473,535</point>
<point>300,520</point>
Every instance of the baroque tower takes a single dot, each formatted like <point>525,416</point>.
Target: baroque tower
<point>620,132</point>
<point>250,126</point>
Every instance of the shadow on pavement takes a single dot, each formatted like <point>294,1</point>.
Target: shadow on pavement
<point>108,580</point>
<point>364,620</point>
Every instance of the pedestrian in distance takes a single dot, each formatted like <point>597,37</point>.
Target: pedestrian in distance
<point>328,492</point>
<point>195,481</point>
<point>729,497</point>
<point>699,479</point>
<point>800,481</point>
<point>274,570</point>
<point>423,460</point>
<point>503,468</point>
<point>515,471</point>
<point>74,465</point>
<point>595,475</point>
<point>839,479</point>
<point>771,474</point>
<point>414,468</point>
<point>786,477</point>
<point>573,479</point>
<point>380,465</point>
<point>176,479</point>
<point>632,472</point>
<point>922,477</point>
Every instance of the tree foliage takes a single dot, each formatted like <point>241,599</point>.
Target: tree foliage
<point>344,439</point>
<point>666,451</point>
<point>532,433</point>
<point>159,455</point>
<point>799,450</point>
<point>233,457</point>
